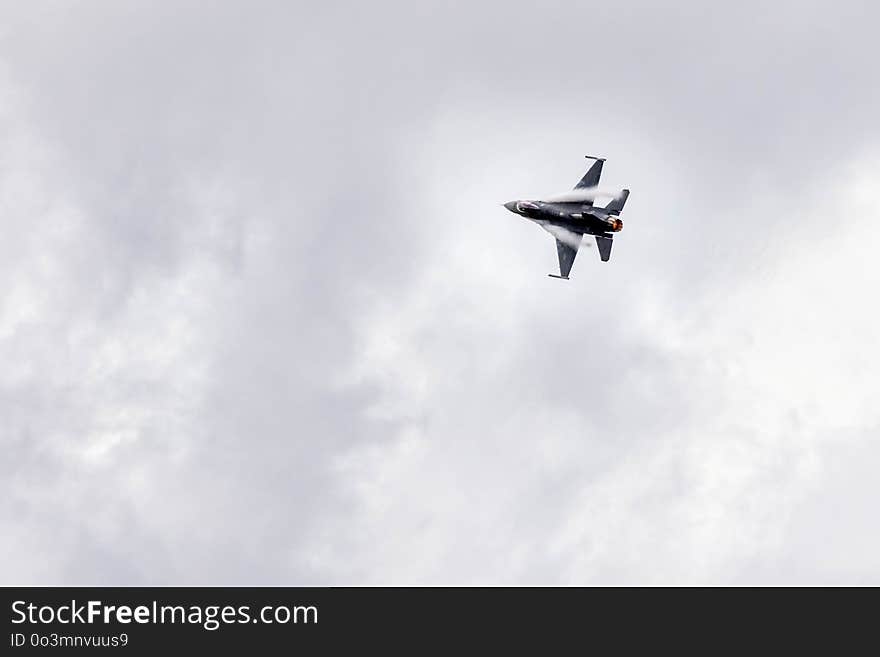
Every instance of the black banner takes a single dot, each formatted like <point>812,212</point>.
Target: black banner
<point>148,620</point>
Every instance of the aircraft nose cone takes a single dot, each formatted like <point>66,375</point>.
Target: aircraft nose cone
<point>511,205</point>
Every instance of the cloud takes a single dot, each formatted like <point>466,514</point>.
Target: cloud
<point>618,434</point>
<point>265,322</point>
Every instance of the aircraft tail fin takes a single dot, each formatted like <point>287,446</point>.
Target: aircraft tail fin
<point>616,205</point>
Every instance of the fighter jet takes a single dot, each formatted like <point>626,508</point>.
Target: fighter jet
<point>570,216</point>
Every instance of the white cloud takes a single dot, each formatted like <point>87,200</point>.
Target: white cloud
<point>686,466</point>
<point>264,320</point>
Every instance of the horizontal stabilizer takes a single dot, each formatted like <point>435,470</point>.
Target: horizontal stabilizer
<point>604,244</point>
<point>616,205</point>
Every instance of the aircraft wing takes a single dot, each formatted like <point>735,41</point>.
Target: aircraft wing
<point>591,178</point>
<point>567,244</point>
<point>566,255</point>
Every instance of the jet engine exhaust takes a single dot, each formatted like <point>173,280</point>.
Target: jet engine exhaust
<point>614,225</point>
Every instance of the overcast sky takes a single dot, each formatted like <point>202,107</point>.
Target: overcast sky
<point>263,319</point>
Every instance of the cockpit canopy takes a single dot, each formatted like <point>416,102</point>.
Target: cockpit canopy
<point>524,206</point>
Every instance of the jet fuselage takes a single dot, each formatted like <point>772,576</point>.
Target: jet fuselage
<point>576,217</point>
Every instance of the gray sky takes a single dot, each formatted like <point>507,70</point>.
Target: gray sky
<point>264,321</point>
